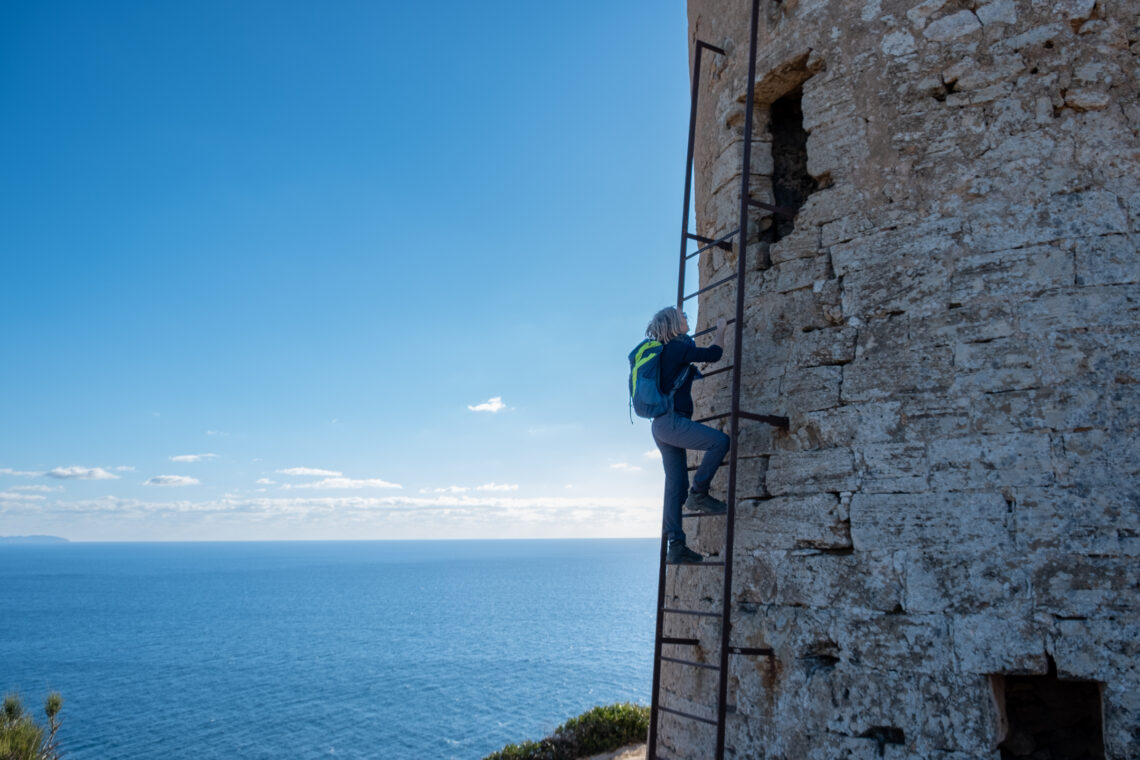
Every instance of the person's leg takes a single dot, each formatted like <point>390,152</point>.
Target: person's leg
<point>686,434</point>
<point>715,445</point>
<point>676,479</point>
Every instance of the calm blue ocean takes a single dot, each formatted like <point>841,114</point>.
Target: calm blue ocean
<point>373,649</point>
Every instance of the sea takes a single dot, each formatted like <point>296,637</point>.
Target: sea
<point>295,650</point>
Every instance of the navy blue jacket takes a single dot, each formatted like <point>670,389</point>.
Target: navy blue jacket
<point>678,354</point>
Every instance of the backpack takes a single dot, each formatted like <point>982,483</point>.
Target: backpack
<point>645,396</point>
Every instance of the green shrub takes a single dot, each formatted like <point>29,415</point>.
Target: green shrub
<point>601,729</point>
<point>21,738</point>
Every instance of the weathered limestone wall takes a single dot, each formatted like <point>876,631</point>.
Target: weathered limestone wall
<point>953,328</point>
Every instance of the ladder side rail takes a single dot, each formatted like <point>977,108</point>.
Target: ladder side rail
<point>688,176</point>
<point>738,365</point>
<point>655,698</point>
<point>655,701</point>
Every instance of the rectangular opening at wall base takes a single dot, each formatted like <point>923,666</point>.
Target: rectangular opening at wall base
<point>1048,717</point>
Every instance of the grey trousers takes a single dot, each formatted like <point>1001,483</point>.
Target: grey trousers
<point>673,434</point>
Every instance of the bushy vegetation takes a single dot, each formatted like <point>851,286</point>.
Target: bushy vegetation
<point>21,738</point>
<point>599,730</point>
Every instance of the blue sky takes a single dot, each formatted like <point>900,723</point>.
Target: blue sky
<point>267,264</point>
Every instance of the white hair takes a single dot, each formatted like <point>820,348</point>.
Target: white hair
<point>665,325</point>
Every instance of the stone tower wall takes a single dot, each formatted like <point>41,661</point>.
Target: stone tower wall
<point>953,328</point>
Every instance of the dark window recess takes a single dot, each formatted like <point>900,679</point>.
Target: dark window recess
<point>1050,718</point>
<point>791,183</point>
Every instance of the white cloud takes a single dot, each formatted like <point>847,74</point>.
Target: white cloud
<point>81,473</point>
<point>446,489</point>
<point>498,487</point>
<point>192,457</point>
<point>490,405</point>
<point>124,468</point>
<point>20,496</point>
<point>171,480</point>
<point>450,515</point>
<point>41,489</point>
<point>266,482</point>
<point>219,433</point>
<point>625,466</point>
<point>348,483</point>
<point>21,473</point>
<point>653,454</point>
<point>310,471</point>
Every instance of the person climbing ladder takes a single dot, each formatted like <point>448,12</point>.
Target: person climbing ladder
<point>674,432</point>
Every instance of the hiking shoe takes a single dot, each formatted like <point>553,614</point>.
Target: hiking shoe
<point>705,504</point>
<point>679,554</point>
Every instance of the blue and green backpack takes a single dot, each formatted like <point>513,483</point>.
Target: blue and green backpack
<point>645,396</point>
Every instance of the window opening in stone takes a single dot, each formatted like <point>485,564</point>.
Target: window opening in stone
<point>791,183</point>
<point>1051,718</point>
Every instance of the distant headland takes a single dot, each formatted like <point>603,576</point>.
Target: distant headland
<point>33,540</point>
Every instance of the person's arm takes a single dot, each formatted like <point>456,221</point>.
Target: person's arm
<point>713,352</point>
<point>718,338</point>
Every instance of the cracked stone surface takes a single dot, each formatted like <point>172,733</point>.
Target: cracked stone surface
<point>952,325</point>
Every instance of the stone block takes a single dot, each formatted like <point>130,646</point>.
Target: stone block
<point>843,229</point>
<point>1103,306</point>
<point>1102,520</point>
<point>894,522</point>
<point>892,467</point>
<point>934,417</point>
<point>830,346</point>
<point>818,521</point>
<point>997,12</point>
<point>897,641</point>
<point>1000,365</point>
<point>1005,640</point>
<point>810,389</point>
<point>1087,587</point>
<point>811,472</point>
<point>886,374</point>
<point>852,423</point>
<point>1031,38</point>
<point>1095,458</point>
<point>1067,216</point>
<point>952,27</point>
<point>999,274</point>
<point>922,12</point>
<point>947,711</point>
<point>824,580</point>
<point>963,323</point>
<point>991,461</point>
<point>957,578</point>
<point>914,279</point>
<point>1108,260</point>
<point>793,274</point>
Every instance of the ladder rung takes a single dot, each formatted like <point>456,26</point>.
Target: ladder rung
<point>710,286</point>
<point>784,211</point>
<point>711,417</point>
<point>709,243</point>
<point>752,651</point>
<point>704,514</point>
<point>695,664</point>
<point>683,642</point>
<point>771,419</point>
<point>716,371</point>
<point>662,708</point>
<point>707,46</point>
<point>708,330</point>
<point>691,612</point>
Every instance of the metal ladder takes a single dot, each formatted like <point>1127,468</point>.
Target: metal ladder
<point>734,416</point>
